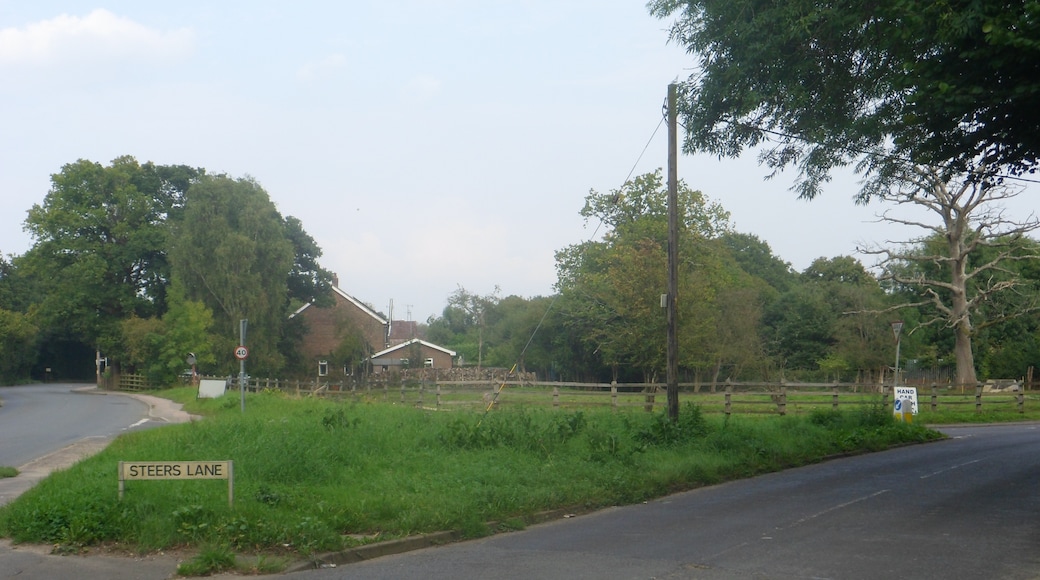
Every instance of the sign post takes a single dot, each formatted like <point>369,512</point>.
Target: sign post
<point>242,353</point>
<point>897,328</point>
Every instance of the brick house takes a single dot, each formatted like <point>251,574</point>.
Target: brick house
<point>326,328</point>
<point>414,353</point>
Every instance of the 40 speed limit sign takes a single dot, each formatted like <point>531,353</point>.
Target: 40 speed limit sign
<point>241,353</point>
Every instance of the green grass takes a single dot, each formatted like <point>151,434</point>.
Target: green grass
<point>6,471</point>
<point>314,475</point>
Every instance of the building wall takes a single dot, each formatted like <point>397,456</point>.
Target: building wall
<point>326,328</point>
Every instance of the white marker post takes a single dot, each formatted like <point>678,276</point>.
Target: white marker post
<point>905,403</point>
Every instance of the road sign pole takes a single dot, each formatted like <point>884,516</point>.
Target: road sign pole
<point>242,363</point>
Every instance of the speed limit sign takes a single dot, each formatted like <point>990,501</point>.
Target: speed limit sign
<point>241,353</point>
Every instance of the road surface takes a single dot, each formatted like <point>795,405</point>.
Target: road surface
<point>38,419</point>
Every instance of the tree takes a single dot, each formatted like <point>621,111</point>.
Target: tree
<point>232,254</point>
<point>99,253</point>
<point>470,312</point>
<point>970,220</point>
<point>860,337</point>
<point>523,334</point>
<point>18,345</point>
<point>917,95</point>
<point>755,257</point>
<point>308,281</point>
<point>799,328</point>
<point>950,84</point>
<point>610,289</point>
<point>158,348</point>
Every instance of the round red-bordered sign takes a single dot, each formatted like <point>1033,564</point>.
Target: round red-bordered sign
<point>241,353</point>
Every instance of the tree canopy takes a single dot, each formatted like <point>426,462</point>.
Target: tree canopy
<point>232,254</point>
<point>819,85</point>
<point>100,245</point>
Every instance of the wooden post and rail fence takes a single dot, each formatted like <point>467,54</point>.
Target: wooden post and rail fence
<point>778,398</point>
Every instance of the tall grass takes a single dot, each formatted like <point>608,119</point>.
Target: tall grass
<point>313,475</point>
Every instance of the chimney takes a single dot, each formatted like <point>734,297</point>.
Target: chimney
<point>335,280</point>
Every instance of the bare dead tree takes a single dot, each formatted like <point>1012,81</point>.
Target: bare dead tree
<point>971,217</point>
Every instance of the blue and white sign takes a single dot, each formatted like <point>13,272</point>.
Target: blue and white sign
<point>906,400</point>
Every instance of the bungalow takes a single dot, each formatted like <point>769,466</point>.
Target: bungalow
<point>415,353</point>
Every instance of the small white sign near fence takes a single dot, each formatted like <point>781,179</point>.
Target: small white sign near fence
<point>212,388</point>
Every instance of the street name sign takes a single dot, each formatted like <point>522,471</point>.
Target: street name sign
<point>153,470</point>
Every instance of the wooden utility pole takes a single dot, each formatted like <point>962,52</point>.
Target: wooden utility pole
<point>673,258</point>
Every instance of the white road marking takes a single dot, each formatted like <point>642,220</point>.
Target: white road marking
<point>951,468</point>
<point>140,422</point>
<point>837,507</point>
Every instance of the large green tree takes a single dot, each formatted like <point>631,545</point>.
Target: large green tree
<point>927,99</point>
<point>99,255</point>
<point>232,254</point>
<point>951,84</point>
<point>610,289</point>
<point>308,281</point>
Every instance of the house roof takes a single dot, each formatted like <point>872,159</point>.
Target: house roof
<point>411,342</point>
<point>403,329</point>
<point>359,304</point>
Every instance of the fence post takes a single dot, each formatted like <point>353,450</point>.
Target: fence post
<point>556,396</point>
<point>834,397</point>
<point>438,395</point>
<point>729,397</point>
<point>884,396</point>
<point>978,398</point>
<point>613,395</point>
<point>402,391</point>
<point>935,398</point>
<point>1021,400</point>
<point>781,403</point>
<point>422,389</point>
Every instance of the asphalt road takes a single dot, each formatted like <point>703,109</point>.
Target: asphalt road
<point>964,508</point>
<point>38,419</point>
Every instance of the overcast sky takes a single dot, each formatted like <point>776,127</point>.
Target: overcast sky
<point>424,144</point>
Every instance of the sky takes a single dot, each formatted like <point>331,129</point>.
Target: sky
<point>426,145</point>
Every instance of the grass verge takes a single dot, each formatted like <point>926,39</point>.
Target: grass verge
<point>313,475</point>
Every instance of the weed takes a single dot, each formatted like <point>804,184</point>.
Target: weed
<point>211,560</point>
<point>193,521</point>
<point>663,431</point>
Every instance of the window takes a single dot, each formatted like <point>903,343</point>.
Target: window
<point>323,368</point>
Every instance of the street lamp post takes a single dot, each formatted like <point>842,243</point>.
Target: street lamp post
<point>897,328</point>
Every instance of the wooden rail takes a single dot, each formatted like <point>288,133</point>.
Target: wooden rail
<point>735,398</point>
<point>739,398</point>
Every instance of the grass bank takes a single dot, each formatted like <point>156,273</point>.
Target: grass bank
<point>313,475</point>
